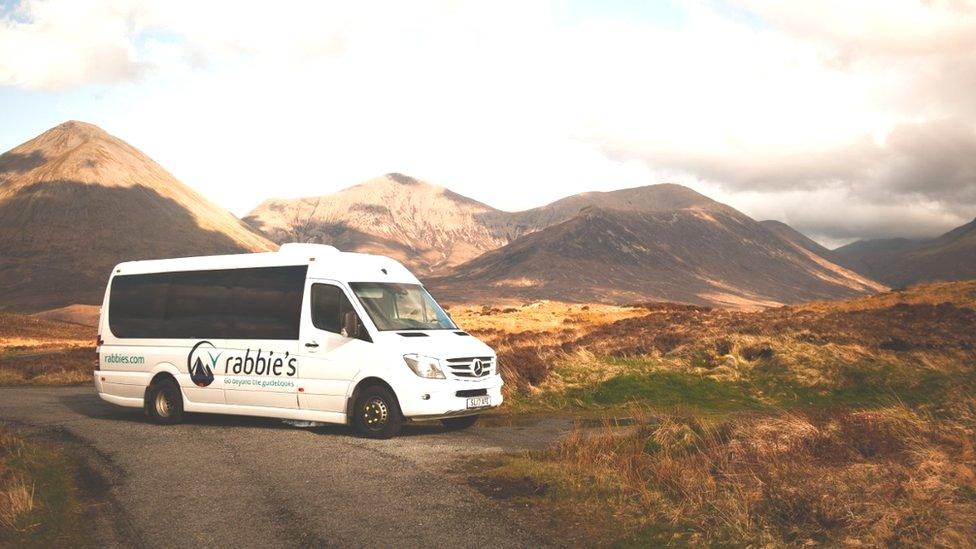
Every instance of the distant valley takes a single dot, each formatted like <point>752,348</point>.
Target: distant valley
<point>901,262</point>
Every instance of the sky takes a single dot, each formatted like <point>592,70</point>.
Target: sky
<point>845,119</point>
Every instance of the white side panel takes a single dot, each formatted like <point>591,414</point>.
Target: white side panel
<point>260,398</point>
<point>267,411</point>
<point>123,390</point>
<point>124,378</point>
<point>121,401</point>
<point>322,402</point>
<point>197,394</point>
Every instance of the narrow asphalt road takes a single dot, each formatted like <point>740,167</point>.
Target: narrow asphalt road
<point>218,481</point>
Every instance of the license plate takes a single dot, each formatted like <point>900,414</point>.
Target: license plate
<point>479,402</point>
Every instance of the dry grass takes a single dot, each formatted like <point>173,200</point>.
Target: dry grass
<point>48,366</point>
<point>844,423</point>
<point>551,317</point>
<point>44,352</point>
<point>883,477</point>
<point>17,329</point>
<point>961,293</point>
<point>910,337</point>
<point>40,503</point>
<point>16,493</point>
<point>16,501</point>
<point>529,338</point>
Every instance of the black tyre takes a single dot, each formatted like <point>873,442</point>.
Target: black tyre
<point>164,402</point>
<point>458,423</point>
<point>376,413</point>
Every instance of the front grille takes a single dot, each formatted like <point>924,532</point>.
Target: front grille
<point>465,367</point>
<point>472,392</point>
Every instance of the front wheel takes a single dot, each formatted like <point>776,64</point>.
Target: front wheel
<point>164,402</point>
<point>458,423</point>
<point>376,413</point>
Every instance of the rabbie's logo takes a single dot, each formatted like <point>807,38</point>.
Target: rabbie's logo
<point>203,357</point>
<point>200,363</point>
<point>261,365</point>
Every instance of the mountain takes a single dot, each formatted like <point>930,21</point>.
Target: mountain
<point>874,257</point>
<point>705,253</point>
<point>664,197</point>
<point>433,229</point>
<point>796,238</point>
<point>423,225</point>
<point>658,242</point>
<point>900,261</point>
<point>74,201</point>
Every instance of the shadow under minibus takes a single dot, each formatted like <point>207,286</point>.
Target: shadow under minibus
<point>93,407</point>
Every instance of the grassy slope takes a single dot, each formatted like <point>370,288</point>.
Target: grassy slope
<point>839,423</point>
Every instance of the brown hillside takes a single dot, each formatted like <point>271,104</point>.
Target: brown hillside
<point>75,201</point>
<point>665,197</point>
<point>425,226</point>
<point>705,256</point>
<point>900,262</point>
<point>433,229</point>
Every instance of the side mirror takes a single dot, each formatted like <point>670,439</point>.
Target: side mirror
<point>350,324</point>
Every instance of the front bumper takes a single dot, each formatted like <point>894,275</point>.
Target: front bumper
<point>443,400</point>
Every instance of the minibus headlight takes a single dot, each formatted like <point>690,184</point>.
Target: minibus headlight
<point>424,366</point>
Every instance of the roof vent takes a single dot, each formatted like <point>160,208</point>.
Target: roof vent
<point>300,248</point>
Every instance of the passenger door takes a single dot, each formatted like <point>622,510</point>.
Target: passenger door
<point>330,359</point>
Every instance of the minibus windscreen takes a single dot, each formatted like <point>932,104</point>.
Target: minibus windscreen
<point>401,306</point>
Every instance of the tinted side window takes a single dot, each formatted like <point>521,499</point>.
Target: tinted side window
<point>268,302</point>
<point>259,303</point>
<point>138,304</point>
<point>329,304</point>
<point>199,305</point>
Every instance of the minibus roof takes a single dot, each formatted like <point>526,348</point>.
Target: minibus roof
<point>325,262</point>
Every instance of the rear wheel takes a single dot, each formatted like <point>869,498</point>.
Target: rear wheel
<point>164,402</point>
<point>376,413</point>
<point>458,423</point>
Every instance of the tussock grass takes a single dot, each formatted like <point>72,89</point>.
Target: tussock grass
<point>882,477</point>
<point>16,501</point>
<point>528,338</point>
<point>843,423</point>
<point>39,499</point>
<point>895,347</point>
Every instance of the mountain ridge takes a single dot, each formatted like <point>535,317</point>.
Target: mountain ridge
<point>75,200</point>
<point>695,256</point>
<point>359,218</point>
<point>901,261</point>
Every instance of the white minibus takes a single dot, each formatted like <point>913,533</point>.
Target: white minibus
<point>305,333</point>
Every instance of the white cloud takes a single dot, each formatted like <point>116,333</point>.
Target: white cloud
<point>862,109</point>
<point>62,43</point>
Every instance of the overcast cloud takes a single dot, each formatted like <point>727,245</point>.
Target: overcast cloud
<point>845,119</point>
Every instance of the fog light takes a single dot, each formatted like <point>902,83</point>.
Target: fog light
<point>424,397</point>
